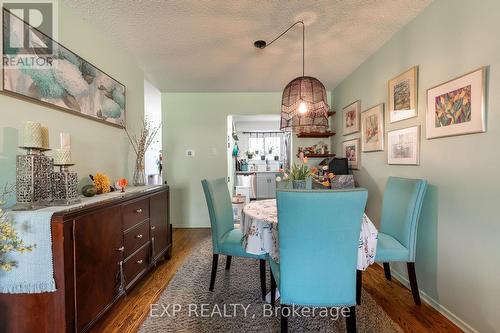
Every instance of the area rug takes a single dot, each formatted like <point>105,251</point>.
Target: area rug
<point>235,305</point>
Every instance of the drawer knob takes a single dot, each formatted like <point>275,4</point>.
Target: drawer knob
<point>153,227</point>
<point>139,236</point>
<point>140,261</point>
<point>138,211</point>
<point>121,248</point>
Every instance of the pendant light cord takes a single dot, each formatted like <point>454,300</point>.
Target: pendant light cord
<point>303,41</point>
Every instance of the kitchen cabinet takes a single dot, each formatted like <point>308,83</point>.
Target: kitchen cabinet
<point>266,185</point>
<point>97,263</point>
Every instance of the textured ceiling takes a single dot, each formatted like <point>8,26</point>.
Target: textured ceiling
<point>197,45</point>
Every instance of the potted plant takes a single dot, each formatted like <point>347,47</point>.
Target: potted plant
<point>301,177</point>
<point>249,154</point>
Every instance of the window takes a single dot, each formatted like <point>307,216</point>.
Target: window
<point>268,146</point>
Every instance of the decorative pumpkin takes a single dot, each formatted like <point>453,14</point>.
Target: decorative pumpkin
<point>89,190</point>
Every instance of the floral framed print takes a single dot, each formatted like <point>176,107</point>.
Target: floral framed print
<point>351,152</point>
<point>403,96</point>
<point>457,107</point>
<point>350,118</point>
<point>403,146</point>
<point>59,78</point>
<point>372,129</point>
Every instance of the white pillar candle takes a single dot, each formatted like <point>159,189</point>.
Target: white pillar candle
<point>32,134</point>
<point>61,156</point>
<point>45,137</point>
<point>65,141</point>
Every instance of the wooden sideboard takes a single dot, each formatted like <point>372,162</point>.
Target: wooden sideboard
<point>100,251</point>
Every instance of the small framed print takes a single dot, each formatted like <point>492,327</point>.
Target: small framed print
<point>457,107</point>
<point>350,116</point>
<point>351,152</point>
<point>403,96</point>
<point>372,129</point>
<point>403,146</point>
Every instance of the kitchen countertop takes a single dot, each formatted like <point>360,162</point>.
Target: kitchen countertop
<point>246,172</point>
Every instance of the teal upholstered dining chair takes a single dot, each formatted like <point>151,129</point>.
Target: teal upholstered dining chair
<point>226,240</point>
<point>318,245</point>
<point>397,238</point>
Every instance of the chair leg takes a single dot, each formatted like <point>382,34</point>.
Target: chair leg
<point>262,264</point>
<point>413,282</point>
<point>387,271</point>
<point>351,320</point>
<point>284,318</point>
<point>273,290</point>
<point>215,260</point>
<point>228,262</point>
<point>359,283</point>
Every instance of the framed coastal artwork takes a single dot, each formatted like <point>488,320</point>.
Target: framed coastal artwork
<point>351,152</point>
<point>58,77</point>
<point>403,146</point>
<point>457,107</point>
<point>372,129</point>
<point>350,115</point>
<point>403,96</point>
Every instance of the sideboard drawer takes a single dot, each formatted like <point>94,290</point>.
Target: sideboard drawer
<point>135,212</point>
<point>136,237</point>
<point>136,264</point>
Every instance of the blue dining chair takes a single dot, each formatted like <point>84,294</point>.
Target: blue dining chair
<point>318,245</point>
<point>397,238</point>
<point>226,240</point>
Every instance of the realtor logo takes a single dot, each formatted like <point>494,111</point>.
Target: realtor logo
<point>28,32</point>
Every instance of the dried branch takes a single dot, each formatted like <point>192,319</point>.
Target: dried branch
<point>142,142</point>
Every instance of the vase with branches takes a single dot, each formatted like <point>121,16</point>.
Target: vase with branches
<point>140,143</point>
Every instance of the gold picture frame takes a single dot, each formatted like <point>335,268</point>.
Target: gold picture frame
<point>403,96</point>
<point>352,153</point>
<point>372,129</point>
<point>350,118</point>
<point>457,106</point>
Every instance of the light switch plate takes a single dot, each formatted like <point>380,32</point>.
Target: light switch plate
<point>190,153</point>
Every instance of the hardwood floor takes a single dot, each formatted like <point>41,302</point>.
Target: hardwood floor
<point>128,314</point>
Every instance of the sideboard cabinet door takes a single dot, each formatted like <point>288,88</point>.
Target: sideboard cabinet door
<point>98,252</point>
<point>159,222</point>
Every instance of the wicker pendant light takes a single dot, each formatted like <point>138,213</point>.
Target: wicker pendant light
<point>304,105</point>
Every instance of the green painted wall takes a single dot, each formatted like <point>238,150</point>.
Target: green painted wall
<point>457,256</point>
<point>198,121</point>
<point>95,146</point>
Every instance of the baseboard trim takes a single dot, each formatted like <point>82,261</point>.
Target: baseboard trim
<point>436,305</point>
<point>181,226</point>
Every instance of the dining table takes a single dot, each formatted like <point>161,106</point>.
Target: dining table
<point>259,225</point>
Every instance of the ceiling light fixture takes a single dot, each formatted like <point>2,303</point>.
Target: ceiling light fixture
<point>304,105</point>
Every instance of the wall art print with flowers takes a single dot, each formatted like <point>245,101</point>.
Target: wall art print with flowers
<point>64,80</point>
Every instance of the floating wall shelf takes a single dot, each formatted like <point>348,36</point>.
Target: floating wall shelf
<point>318,155</point>
<point>316,135</point>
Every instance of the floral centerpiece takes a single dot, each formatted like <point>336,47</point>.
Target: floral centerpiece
<point>299,175</point>
<point>9,240</point>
